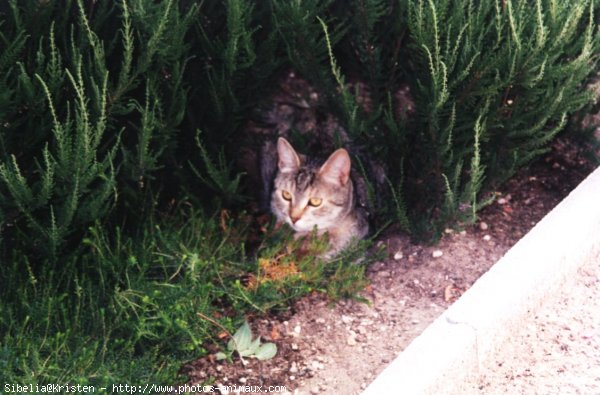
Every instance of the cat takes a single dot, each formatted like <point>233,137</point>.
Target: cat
<point>307,194</point>
<point>297,111</point>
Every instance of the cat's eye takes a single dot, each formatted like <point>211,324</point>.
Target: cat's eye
<point>286,195</point>
<point>315,202</point>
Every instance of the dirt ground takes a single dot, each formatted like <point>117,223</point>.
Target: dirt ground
<point>339,349</point>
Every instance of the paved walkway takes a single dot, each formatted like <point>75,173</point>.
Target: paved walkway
<point>558,350</point>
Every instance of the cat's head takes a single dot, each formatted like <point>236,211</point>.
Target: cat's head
<point>307,194</point>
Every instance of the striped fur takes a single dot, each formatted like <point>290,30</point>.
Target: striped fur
<point>308,194</point>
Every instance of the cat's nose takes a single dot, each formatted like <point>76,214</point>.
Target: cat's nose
<point>295,215</point>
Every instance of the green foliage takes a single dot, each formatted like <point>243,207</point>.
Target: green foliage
<point>510,82</point>
<point>233,63</point>
<point>241,343</point>
<point>127,84</point>
<point>288,269</point>
<point>218,175</point>
<point>305,45</point>
<point>100,104</point>
<point>90,144</point>
<point>348,101</point>
<point>129,309</point>
<point>74,186</point>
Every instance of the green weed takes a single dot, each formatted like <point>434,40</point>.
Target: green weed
<point>129,309</point>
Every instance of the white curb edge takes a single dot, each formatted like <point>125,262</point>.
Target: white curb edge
<point>452,348</point>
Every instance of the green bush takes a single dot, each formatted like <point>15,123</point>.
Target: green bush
<point>120,122</point>
<point>93,94</point>
<point>497,82</point>
<point>491,83</point>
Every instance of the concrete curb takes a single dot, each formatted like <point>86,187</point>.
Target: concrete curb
<point>451,350</point>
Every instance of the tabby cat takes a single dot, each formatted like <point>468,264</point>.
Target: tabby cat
<point>307,194</point>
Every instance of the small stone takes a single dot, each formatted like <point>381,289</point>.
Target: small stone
<point>398,255</point>
<point>437,253</point>
<point>347,319</point>
<point>243,380</point>
<point>223,389</point>
<point>487,237</point>
<point>505,199</point>
<point>449,230</point>
<point>351,341</point>
<point>294,347</point>
<point>483,226</point>
<point>294,368</point>
<point>362,330</point>
<point>463,232</point>
<point>316,365</point>
<point>292,377</point>
<point>315,390</point>
<point>297,329</point>
<point>320,320</point>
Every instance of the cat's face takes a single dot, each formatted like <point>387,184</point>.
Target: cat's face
<point>306,195</point>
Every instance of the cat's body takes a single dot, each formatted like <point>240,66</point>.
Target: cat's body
<point>307,194</point>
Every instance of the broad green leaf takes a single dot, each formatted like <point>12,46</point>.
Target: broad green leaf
<point>255,345</point>
<point>242,338</point>
<point>266,351</point>
<point>220,356</point>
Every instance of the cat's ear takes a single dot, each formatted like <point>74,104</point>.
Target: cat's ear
<point>288,158</point>
<point>337,167</point>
